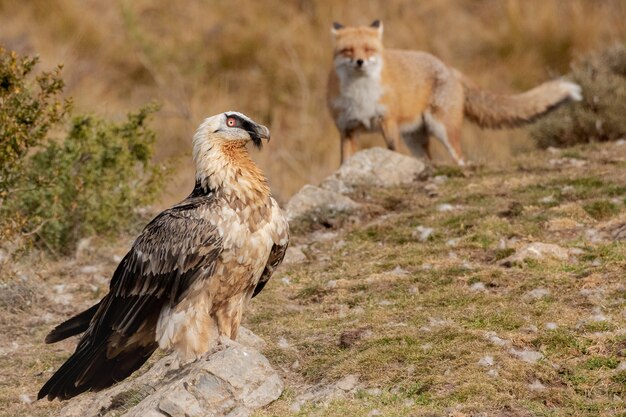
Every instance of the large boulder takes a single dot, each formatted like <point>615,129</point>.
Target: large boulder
<point>233,381</point>
<point>318,204</point>
<point>376,167</point>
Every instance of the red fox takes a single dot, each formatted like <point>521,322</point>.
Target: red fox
<point>415,95</point>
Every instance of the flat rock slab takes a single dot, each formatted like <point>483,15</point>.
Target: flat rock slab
<point>376,167</point>
<point>233,381</point>
<point>538,251</point>
<point>316,202</point>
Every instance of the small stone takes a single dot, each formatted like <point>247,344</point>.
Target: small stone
<point>26,399</point>
<point>440,179</point>
<point>294,255</point>
<point>493,373</point>
<point>443,208</point>
<point>620,142</point>
<point>375,412</point>
<point>414,290</point>
<point>453,243</point>
<point>331,284</point>
<point>478,287</point>
<point>621,366</point>
<point>399,271</point>
<point>347,383</point>
<point>374,392</point>
<point>385,303</point>
<point>426,267</point>
<point>282,343</point>
<point>538,293</point>
<point>548,200</point>
<point>408,403</point>
<point>486,361</point>
<point>286,280</point>
<point>551,326</point>
<point>536,385</point>
<point>526,355</point>
<point>493,338</point>
<point>422,233</point>
<point>426,347</point>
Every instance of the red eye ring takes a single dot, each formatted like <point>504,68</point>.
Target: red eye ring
<point>231,122</point>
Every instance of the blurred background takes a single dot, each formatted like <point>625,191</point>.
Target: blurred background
<point>270,59</point>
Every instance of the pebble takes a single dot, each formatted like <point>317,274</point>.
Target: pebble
<point>538,293</point>
<point>536,385</point>
<point>282,343</point>
<point>478,287</point>
<point>26,399</point>
<point>486,361</point>
<point>526,355</point>
<point>551,326</point>
<point>347,383</point>
<point>422,233</point>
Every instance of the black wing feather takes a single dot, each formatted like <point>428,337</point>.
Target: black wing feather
<point>175,249</point>
<point>277,254</point>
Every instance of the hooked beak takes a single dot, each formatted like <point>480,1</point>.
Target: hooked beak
<point>258,133</point>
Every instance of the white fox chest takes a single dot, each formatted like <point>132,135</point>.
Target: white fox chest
<point>359,103</point>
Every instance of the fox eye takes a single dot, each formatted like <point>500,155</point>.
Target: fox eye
<point>231,122</point>
<point>347,51</point>
<point>369,50</point>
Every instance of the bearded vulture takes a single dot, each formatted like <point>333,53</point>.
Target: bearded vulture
<point>189,274</point>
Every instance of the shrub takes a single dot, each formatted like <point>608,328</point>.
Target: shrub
<point>58,191</point>
<point>599,116</point>
<point>92,182</point>
<point>28,109</point>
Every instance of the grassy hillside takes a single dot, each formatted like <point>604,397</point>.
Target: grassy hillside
<point>270,59</point>
<point>420,325</point>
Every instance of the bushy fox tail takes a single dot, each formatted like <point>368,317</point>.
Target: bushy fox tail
<point>499,111</point>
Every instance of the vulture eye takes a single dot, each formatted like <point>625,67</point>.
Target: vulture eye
<point>231,122</point>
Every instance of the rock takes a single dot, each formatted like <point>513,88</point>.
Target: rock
<point>294,255</point>
<point>318,204</point>
<point>536,385</point>
<point>347,383</point>
<point>537,251</point>
<point>232,381</point>
<point>478,287</point>
<point>422,233</point>
<point>486,361</point>
<point>551,326</point>
<point>374,167</point>
<point>526,355</point>
<point>537,293</point>
<point>25,398</point>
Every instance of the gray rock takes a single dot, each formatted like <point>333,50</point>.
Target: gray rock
<point>537,251</point>
<point>294,255</point>
<point>232,381</point>
<point>316,203</point>
<point>374,167</point>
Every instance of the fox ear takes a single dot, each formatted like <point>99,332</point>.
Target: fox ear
<point>336,27</point>
<point>377,24</point>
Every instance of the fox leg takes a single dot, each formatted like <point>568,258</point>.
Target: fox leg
<point>448,132</point>
<point>391,133</point>
<point>348,145</point>
<point>417,142</point>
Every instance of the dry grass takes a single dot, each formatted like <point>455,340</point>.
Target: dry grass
<point>416,336</point>
<point>270,59</point>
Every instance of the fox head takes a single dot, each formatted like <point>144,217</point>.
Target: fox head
<point>358,50</point>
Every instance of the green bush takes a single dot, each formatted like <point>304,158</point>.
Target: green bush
<point>90,182</point>
<point>28,109</point>
<point>599,117</point>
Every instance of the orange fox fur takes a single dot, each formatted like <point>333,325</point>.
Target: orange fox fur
<point>414,95</point>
